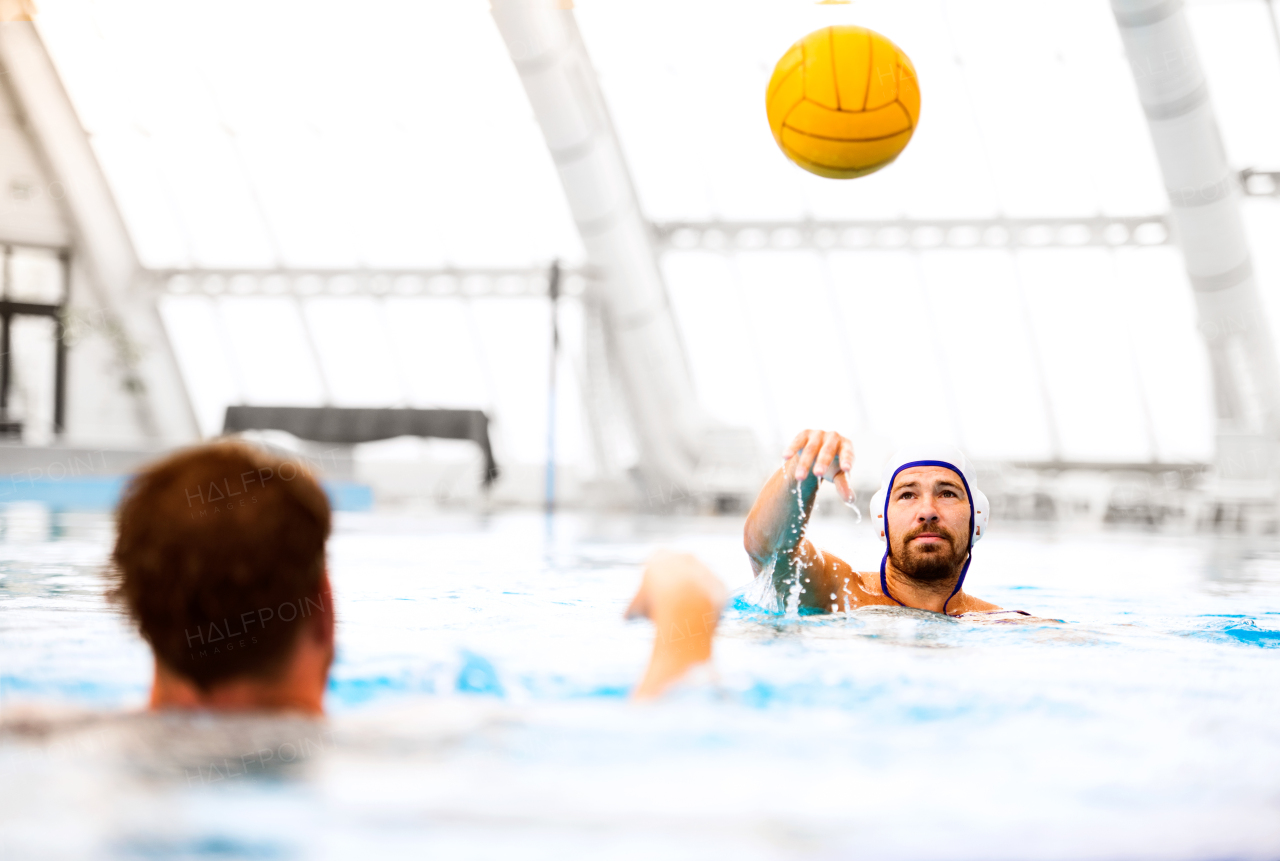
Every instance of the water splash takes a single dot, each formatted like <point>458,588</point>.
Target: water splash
<point>857,512</point>
<point>791,608</point>
<point>1238,630</point>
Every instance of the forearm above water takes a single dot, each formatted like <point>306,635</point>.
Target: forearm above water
<point>775,526</point>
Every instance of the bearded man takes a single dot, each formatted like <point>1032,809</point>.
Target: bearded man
<point>927,510</point>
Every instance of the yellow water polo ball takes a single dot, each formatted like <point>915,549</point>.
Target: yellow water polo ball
<point>843,102</point>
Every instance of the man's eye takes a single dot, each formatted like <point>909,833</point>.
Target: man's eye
<point>948,493</point>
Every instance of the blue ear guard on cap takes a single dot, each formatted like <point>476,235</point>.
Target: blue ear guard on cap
<point>948,458</point>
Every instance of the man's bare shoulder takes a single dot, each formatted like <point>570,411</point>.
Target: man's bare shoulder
<point>984,611</point>
<point>970,604</point>
<point>850,588</point>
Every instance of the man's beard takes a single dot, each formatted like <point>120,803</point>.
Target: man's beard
<point>929,563</point>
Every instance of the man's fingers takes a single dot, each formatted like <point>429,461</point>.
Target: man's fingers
<point>796,444</point>
<point>826,453</point>
<point>806,457</point>
<point>799,446</point>
<point>830,445</point>
<point>846,455</point>
<point>842,487</point>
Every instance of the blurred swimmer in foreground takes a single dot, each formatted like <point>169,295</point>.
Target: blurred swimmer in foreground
<point>220,561</point>
<point>927,510</point>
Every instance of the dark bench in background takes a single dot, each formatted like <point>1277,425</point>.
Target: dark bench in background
<point>350,425</point>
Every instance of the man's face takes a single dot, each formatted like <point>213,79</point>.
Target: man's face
<point>928,523</point>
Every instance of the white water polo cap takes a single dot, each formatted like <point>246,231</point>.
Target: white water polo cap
<point>946,456</point>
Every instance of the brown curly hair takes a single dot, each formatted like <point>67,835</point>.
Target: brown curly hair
<point>219,556</point>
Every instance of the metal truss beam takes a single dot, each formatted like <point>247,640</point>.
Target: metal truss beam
<point>1142,231</point>
<point>304,283</point>
<point>1188,468</point>
<point>915,234</point>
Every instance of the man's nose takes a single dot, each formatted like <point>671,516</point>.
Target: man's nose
<point>927,513</point>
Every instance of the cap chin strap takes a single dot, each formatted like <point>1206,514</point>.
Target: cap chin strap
<point>884,582</point>
<point>884,579</point>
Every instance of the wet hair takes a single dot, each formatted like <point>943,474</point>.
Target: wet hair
<point>219,560</point>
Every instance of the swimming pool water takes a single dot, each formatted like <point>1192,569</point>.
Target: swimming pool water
<point>478,707</point>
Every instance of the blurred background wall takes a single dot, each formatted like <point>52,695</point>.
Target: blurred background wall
<point>326,205</point>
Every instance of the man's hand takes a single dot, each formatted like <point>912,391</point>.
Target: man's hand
<point>683,599</point>
<point>677,588</point>
<point>826,454</point>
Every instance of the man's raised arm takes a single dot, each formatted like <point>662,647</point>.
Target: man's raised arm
<point>774,532</point>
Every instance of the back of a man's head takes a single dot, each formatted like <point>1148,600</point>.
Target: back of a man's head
<point>219,558</point>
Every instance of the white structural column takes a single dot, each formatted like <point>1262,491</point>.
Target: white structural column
<point>548,52</point>
<point>146,372</point>
<point>1205,196</point>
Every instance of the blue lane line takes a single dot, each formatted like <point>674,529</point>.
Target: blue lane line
<point>102,493</point>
